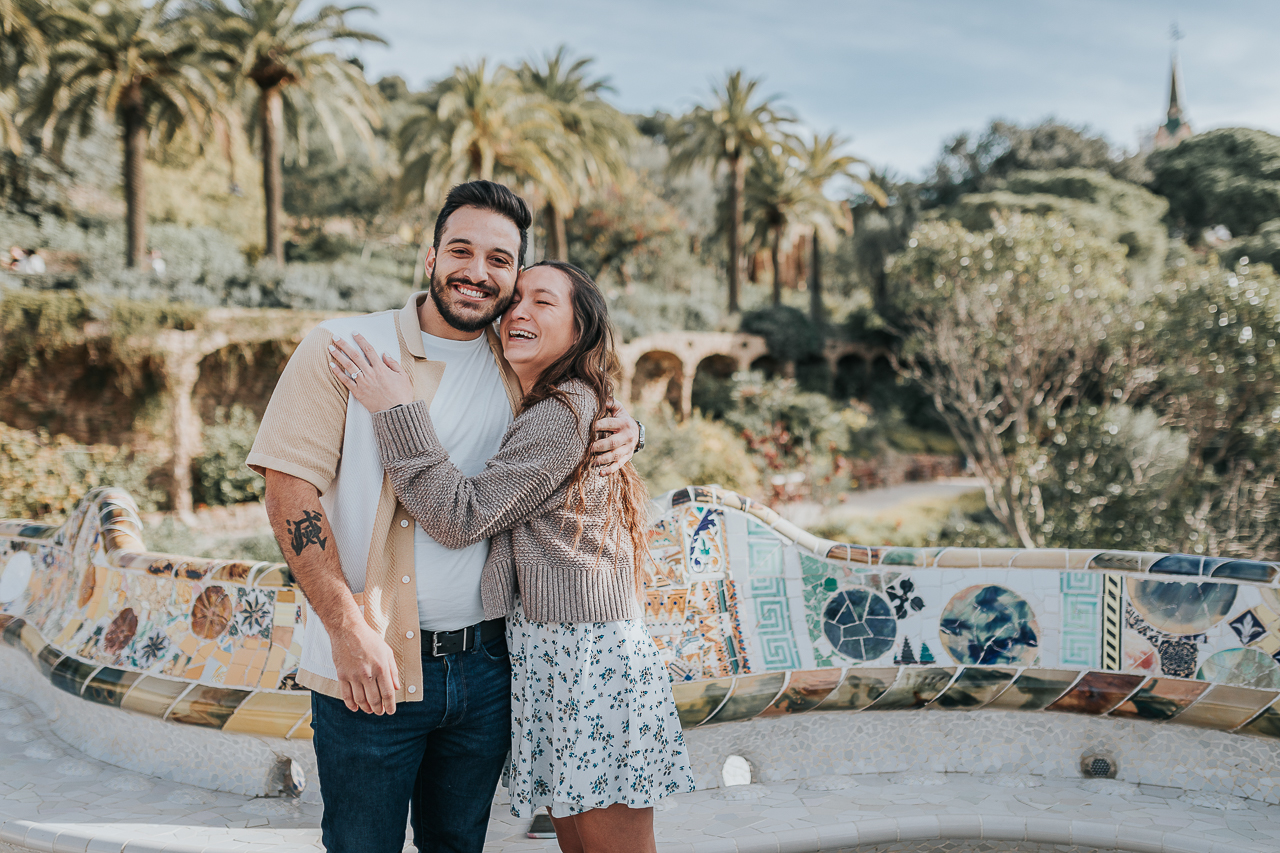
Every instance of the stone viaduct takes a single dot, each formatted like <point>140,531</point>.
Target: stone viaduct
<point>235,356</point>
<point>664,366</point>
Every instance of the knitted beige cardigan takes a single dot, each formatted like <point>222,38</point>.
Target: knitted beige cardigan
<point>520,501</point>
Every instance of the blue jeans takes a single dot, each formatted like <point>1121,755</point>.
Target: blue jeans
<point>438,759</point>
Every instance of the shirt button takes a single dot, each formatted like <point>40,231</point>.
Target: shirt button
<point>408,635</point>
<point>404,579</point>
<point>404,522</point>
<point>413,688</point>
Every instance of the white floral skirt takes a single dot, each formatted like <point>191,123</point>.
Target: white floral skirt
<point>592,718</point>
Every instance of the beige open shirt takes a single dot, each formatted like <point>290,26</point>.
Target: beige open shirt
<point>302,435</point>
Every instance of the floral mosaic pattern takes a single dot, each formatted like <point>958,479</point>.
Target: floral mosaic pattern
<point>135,630</point>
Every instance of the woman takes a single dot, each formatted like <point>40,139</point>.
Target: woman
<point>595,734</point>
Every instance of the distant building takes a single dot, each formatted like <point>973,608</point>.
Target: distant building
<point>1176,127</point>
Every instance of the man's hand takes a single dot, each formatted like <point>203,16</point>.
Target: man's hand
<point>366,666</point>
<point>366,669</point>
<point>616,449</point>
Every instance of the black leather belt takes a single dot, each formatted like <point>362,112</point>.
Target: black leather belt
<point>440,643</point>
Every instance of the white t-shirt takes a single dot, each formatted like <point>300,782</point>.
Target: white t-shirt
<point>470,413</point>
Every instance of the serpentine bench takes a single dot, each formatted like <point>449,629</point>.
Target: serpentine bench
<point>784,648</point>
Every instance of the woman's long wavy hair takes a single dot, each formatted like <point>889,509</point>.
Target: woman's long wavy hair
<point>593,359</point>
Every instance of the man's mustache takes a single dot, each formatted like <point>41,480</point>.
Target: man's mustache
<point>489,290</point>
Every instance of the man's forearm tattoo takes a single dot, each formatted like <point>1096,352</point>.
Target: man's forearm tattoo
<point>305,531</point>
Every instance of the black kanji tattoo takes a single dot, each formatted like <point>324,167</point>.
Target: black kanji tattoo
<point>305,531</point>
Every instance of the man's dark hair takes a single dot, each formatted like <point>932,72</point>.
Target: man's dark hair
<point>486,195</point>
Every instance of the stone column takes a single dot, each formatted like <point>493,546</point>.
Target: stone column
<point>628,370</point>
<point>181,355</point>
<point>686,390</point>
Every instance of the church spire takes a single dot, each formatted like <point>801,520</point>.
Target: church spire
<point>1176,127</point>
<point>1175,108</point>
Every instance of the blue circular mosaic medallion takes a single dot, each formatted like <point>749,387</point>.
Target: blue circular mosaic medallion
<point>859,624</point>
<point>990,626</point>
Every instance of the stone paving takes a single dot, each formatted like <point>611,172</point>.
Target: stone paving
<point>53,798</point>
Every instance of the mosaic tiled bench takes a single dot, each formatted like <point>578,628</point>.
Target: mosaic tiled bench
<point>758,620</point>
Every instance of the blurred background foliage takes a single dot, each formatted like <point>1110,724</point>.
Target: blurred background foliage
<point>1091,330</point>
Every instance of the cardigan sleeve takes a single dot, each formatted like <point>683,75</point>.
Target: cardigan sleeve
<point>539,452</point>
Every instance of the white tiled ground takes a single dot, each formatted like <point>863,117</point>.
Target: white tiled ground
<point>54,798</point>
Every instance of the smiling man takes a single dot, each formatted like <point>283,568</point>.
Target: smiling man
<point>410,687</point>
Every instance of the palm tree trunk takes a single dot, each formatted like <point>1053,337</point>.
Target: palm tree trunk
<point>135,186</point>
<point>817,310</point>
<point>557,240</point>
<point>737,185</point>
<point>775,255</point>
<point>271,115</point>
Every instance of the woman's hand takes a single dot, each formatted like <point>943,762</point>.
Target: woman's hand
<point>377,383</point>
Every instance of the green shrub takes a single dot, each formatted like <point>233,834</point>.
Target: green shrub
<point>696,451</point>
<point>1260,248</point>
<point>785,427</point>
<point>645,310</point>
<point>219,476</point>
<point>960,521</point>
<point>789,333</point>
<point>171,536</point>
<point>43,476</point>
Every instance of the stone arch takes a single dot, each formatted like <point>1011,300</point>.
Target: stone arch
<point>240,374</point>
<point>768,365</point>
<point>689,349</point>
<point>858,374</point>
<point>710,383</point>
<point>658,377</point>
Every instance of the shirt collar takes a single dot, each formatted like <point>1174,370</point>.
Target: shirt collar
<point>411,334</point>
<point>410,328</point>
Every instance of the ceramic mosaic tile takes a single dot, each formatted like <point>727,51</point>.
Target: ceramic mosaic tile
<point>1160,699</point>
<point>1097,693</point>
<point>751,694</point>
<point>1034,689</point>
<point>974,687</point>
<point>858,689</point>
<point>804,691</point>
<point>1081,619</point>
<point>752,615</point>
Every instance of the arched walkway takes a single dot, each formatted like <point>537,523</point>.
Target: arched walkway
<point>682,354</point>
<point>712,384</point>
<point>657,377</point>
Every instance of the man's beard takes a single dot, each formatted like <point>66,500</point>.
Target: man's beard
<point>471,322</point>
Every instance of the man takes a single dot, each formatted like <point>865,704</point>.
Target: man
<point>410,688</point>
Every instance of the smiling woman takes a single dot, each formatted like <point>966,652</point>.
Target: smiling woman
<point>539,328</point>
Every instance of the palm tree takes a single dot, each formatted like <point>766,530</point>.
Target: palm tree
<point>729,132</point>
<point>296,76</point>
<point>786,198</point>
<point>22,49</point>
<point>146,66</point>
<point>774,193</point>
<point>477,124</point>
<point>822,163</point>
<point>596,135</point>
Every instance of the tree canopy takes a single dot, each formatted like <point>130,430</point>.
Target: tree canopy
<point>1117,211</point>
<point>1225,177</point>
<point>974,165</point>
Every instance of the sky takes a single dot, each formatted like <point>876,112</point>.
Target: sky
<point>897,76</point>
